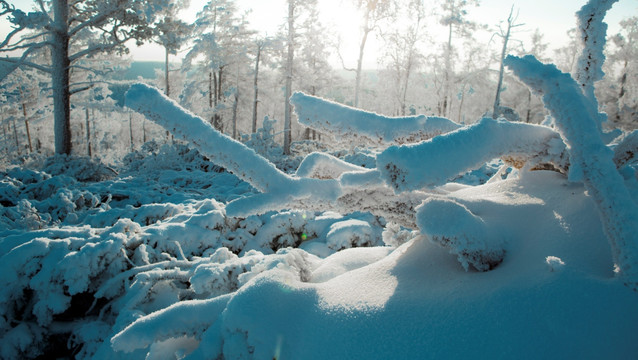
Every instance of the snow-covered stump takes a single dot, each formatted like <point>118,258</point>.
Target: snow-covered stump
<point>366,128</point>
<point>455,227</point>
<point>590,158</point>
<point>434,162</point>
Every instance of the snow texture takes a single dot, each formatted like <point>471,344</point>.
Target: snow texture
<point>455,227</point>
<point>354,126</point>
<point>573,117</point>
<point>428,164</point>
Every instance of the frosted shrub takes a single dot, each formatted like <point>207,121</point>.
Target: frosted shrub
<point>455,227</point>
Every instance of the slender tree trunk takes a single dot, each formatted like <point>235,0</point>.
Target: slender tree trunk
<point>448,73</point>
<point>6,140</point>
<point>60,78</point>
<point>15,135</point>
<point>210,89</point>
<point>461,104</point>
<point>291,49</point>
<point>168,86</point>
<point>235,104</point>
<point>26,121</point>
<point>144,131</point>
<point>256,97</point>
<point>362,45</point>
<point>130,128</point>
<point>528,117</point>
<point>216,119</point>
<point>88,132</point>
<point>499,85</point>
<point>621,94</point>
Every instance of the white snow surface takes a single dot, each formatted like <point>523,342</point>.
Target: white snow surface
<point>418,302</point>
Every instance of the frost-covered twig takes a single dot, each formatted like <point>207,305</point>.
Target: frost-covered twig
<point>571,110</point>
<point>363,127</point>
<point>434,162</point>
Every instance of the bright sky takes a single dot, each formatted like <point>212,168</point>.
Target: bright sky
<point>552,17</point>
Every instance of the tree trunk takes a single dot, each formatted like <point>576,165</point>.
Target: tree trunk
<point>60,78</point>
<point>256,97</point>
<point>235,103</point>
<point>364,39</point>
<point>448,74</point>
<point>26,121</point>
<point>15,134</point>
<point>499,85</point>
<point>461,104</point>
<point>291,49</point>
<point>168,86</point>
<point>130,128</point>
<point>88,132</point>
<point>6,140</point>
<point>528,117</point>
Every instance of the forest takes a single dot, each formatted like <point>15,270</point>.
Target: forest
<point>258,196</point>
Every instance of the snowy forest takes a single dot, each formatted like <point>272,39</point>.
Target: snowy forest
<point>272,196</point>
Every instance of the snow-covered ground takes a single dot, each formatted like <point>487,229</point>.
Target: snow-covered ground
<point>498,239</point>
<point>174,276</point>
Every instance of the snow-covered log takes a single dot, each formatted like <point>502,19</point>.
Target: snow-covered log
<point>356,126</point>
<point>434,162</point>
<point>573,117</point>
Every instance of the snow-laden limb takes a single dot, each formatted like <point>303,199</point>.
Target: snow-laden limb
<point>356,126</point>
<point>453,226</point>
<point>434,162</point>
<point>570,108</point>
<point>324,166</point>
<point>223,150</point>
<point>186,317</point>
<point>278,188</point>
<point>589,66</point>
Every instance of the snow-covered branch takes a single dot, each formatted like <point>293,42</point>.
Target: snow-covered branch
<point>223,150</point>
<point>277,187</point>
<point>571,110</point>
<point>367,128</point>
<point>589,67</point>
<point>428,164</point>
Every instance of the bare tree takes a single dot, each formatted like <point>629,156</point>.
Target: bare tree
<point>505,35</point>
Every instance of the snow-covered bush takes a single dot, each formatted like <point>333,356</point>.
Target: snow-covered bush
<point>464,234</point>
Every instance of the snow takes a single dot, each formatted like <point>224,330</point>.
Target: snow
<point>356,126</point>
<point>432,240</point>
<point>379,302</point>
<point>426,164</point>
<point>590,158</point>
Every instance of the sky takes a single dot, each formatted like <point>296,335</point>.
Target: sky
<point>552,17</point>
